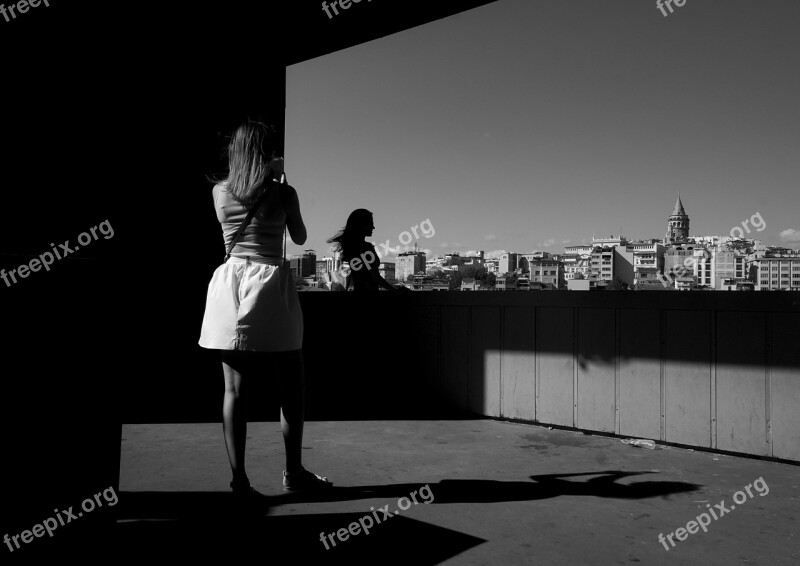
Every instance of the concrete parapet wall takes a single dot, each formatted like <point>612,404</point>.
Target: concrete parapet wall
<point>718,371</point>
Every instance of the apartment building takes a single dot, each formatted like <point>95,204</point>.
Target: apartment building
<point>776,273</point>
<point>507,263</point>
<point>409,263</point>
<point>648,260</point>
<point>547,272</point>
<point>386,269</point>
<point>574,265</point>
<point>602,263</point>
<point>304,265</point>
<point>507,282</point>
<point>703,268</point>
<point>728,268</point>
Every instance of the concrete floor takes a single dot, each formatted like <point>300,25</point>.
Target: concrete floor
<point>500,493</point>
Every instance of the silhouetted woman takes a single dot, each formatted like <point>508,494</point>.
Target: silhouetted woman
<point>360,254</point>
<point>252,310</point>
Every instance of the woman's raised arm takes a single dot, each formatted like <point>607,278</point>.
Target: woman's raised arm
<point>294,220</point>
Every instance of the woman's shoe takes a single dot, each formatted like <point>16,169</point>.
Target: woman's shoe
<point>304,480</point>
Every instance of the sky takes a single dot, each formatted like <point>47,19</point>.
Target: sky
<point>533,124</point>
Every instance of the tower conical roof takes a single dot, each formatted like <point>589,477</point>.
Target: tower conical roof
<point>679,211</point>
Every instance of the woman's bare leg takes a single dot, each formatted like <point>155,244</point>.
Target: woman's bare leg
<point>234,411</point>
<point>292,392</point>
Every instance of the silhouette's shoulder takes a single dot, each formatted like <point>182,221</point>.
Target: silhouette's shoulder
<point>365,246</point>
<point>287,190</point>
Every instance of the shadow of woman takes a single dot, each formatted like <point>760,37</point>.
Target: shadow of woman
<point>604,484</point>
<point>198,525</point>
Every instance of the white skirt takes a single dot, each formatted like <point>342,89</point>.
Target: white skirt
<point>252,305</point>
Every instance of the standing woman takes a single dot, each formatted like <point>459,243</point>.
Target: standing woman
<point>360,254</point>
<point>252,311</point>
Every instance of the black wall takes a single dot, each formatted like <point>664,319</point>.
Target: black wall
<point>117,112</point>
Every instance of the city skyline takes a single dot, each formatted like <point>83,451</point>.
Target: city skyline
<point>522,126</point>
<point>749,229</point>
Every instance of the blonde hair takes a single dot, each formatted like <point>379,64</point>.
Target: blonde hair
<point>251,151</point>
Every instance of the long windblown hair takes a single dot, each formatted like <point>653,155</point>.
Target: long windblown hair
<point>250,153</point>
<point>349,238</point>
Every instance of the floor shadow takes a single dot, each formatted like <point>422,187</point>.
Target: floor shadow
<point>203,525</point>
<point>604,484</point>
<point>292,539</point>
<point>189,505</point>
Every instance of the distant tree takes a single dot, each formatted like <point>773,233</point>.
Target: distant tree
<point>487,280</point>
<point>579,275</point>
<point>455,281</point>
<point>617,284</point>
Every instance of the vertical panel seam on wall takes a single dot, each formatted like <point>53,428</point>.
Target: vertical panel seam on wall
<point>470,361</point>
<point>467,361</point>
<point>441,377</point>
<point>713,377</point>
<point>662,322</point>
<point>501,399</point>
<point>437,352</point>
<point>536,361</point>
<point>768,383</point>
<point>575,365</point>
<point>617,332</point>
<point>500,363</point>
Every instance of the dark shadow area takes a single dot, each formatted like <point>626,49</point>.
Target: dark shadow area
<point>194,524</point>
<point>605,485</point>
<point>190,505</point>
<point>291,540</point>
<point>492,491</point>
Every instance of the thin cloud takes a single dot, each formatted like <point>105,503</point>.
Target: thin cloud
<point>490,237</point>
<point>790,235</point>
